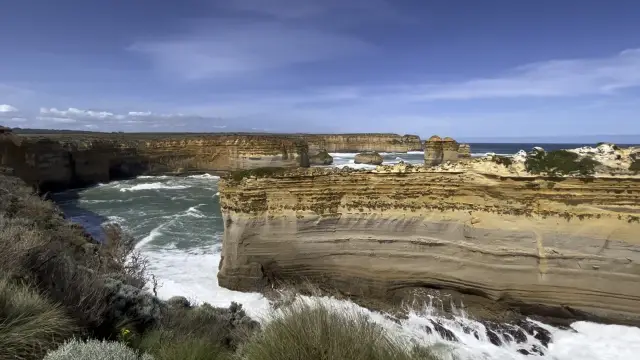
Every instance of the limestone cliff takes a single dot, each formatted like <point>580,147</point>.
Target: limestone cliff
<point>566,246</point>
<point>354,143</point>
<point>55,162</point>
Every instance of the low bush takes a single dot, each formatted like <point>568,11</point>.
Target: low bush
<point>168,345</point>
<point>559,162</point>
<point>635,166</point>
<point>219,328</point>
<point>95,350</point>
<point>506,161</point>
<point>30,325</point>
<point>63,262</point>
<point>258,172</point>
<point>313,331</point>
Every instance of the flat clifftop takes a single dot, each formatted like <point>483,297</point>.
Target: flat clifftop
<point>363,142</point>
<point>565,246</point>
<point>62,161</point>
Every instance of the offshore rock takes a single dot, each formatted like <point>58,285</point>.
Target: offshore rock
<point>321,158</point>
<point>371,158</point>
<point>560,247</point>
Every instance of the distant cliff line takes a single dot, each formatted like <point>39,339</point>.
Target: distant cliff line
<point>63,160</point>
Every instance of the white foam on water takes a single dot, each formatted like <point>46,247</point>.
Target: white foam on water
<point>193,273</point>
<point>154,233</point>
<point>153,186</point>
<point>204,176</point>
<point>415,152</point>
<point>595,341</point>
<point>343,155</point>
<point>153,177</point>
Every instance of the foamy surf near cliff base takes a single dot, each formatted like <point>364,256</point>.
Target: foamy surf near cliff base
<point>179,227</point>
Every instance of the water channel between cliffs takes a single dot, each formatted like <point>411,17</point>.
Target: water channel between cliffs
<point>179,227</point>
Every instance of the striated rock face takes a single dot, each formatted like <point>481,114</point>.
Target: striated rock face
<point>438,150</point>
<point>63,161</point>
<point>355,143</point>
<point>568,247</point>
<point>371,158</point>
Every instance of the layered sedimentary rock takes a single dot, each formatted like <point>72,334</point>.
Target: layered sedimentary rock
<point>64,161</point>
<point>354,143</point>
<point>567,246</point>
<point>438,150</point>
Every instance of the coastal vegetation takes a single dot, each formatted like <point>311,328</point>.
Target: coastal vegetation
<point>560,163</point>
<point>505,161</point>
<point>67,295</point>
<point>238,175</point>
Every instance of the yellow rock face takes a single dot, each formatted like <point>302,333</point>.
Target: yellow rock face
<point>522,241</point>
<point>363,142</point>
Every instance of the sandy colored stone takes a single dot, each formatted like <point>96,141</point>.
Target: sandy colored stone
<point>63,161</point>
<point>355,143</point>
<point>565,246</point>
<point>371,158</point>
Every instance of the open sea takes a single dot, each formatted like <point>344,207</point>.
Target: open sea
<point>179,228</point>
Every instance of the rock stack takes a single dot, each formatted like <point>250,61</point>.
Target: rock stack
<point>464,151</point>
<point>438,151</point>
<point>449,150</point>
<point>433,152</point>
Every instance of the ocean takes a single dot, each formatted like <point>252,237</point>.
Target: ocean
<point>179,228</point>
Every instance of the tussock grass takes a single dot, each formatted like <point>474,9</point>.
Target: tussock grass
<point>40,247</point>
<point>313,331</point>
<point>30,325</point>
<point>168,345</point>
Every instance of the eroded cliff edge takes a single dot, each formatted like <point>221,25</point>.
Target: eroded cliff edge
<point>569,247</point>
<point>353,143</point>
<point>58,162</point>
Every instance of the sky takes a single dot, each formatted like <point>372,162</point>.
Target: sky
<point>462,68</point>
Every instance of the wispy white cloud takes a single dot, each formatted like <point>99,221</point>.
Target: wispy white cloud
<point>305,9</point>
<point>237,48</point>
<point>555,78</point>
<point>6,108</point>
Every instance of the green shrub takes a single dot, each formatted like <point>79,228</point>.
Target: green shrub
<point>95,350</point>
<point>30,325</point>
<point>635,166</point>
<point>41,247</point>
<point>316,332</point>
<point>506,161</point>
<point>258,172</point>
<point>559,162</point>
<point>224,328</point>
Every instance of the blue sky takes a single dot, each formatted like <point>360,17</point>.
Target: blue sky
<point>461,68</point>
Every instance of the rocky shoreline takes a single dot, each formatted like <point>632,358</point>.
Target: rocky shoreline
<point>548,234</point>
